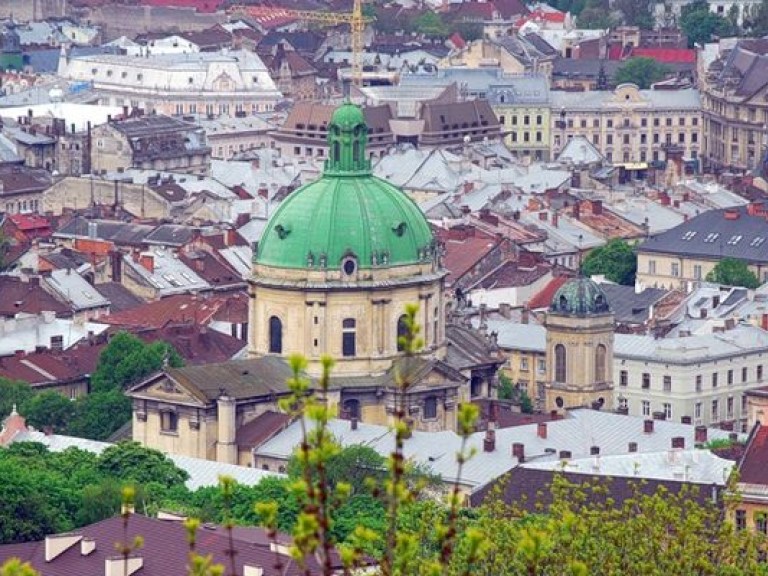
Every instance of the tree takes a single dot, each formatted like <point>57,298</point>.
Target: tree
<point>430,24</point>
<point>469,31</point>
<point>12,394</point>
<point>637,12</point>
<point>596,18</point>
<point>733,272</point>
<point>641,71</point>
<point>756,20</point>
<point>131,461</point>
<point>48,409</point>
<point>701,26</point>
<point>127,359</point>
<point>616,260</point>
<point>352,464</point>
<point>98,415</point>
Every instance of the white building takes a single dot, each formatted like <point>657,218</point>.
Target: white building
<point>209,83</point>
<point>669,11</point>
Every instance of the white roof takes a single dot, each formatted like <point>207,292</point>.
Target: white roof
<point>578,432</point>
<point>239,257</point>
<point>640,210</point>
<point>253,229</point>
<point>696,466</point>
<point>170,275</point>
<point>202,473</point>
<point>579,150</point>
<point>76,290</point>
<point>28,331</point>
<point>78,114</point>
<point>687,98</point>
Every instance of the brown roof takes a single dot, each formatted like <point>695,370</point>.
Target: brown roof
<point>120,298</point>
<point>261,429</point>
<point>544,297</point>
<point>473,118</point>
<point>211,269</point>
<point>19,179</point>
<point>48,367</point>
<point>165,551</point>
<point>530,489</point>
<point>195,343</point>
<point>513,273</point>
<point>296,64</point>
<point>30,297</point>
<point>179,309</point>
<point>753,468</point>
<point>464,249</point>
<point>213,37</point>
<point>307,114</point>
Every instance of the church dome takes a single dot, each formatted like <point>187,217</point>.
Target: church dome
<point>580,297</point>
<point>348,218</point>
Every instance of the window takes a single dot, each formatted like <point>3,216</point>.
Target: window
<point>583,122</point>
<point>560,363</point>
<point>609,123</point>
<point>502,120</point>
<point>538,120</point>
<point>695,121</point>
<point>714,379</point>
<point>646,408</point>
<point>351,409</point>
<point>744,373</point>
<point>402,331</point>
<point>595,123</point>
<point>348,332</point>
<point>600,354</point>
<point>667,410</point>
<point>524,364</point>
<point>761,522</point>
<point>656,138</point>
<point>430,407</point>
<point>526,120</point>
<point>646,380</point>
<point>697,271</point>
<point>698,382</point>
<point>514,120</point>
<point>760,373</point>
<point>694,138</point>
<point>275,335</point>
<point>743,405</point>
<point>729,408</point>
<point>651,266</point>
<point>626,139</point>
<point>681,138</point>
<point>730,377</point>
<point>623,378</point>
<point>668,121</point>
<point>542,366</point>
<point>169,421</point>
<point>675,269</point>
<point>715,411</point>
<point>609,139</point>
<point>643,138</point>
<point>741,519</point>
<point>644,122</point>
<point>667,383</point>
<point>697,411</point>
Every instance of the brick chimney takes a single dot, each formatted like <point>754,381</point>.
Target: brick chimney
<point>541,430</point>
<point>577,210</point>
<point>353,423</point>
<point>148,261</point>
<point>597,207</point>
<point>700,434</point>
<point>489,442</point>
<point>518,451</point>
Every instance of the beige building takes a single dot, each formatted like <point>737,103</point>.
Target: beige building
<point>210,83</point>
<point>734,90</point>
<point>631,128</point>
<point>151,142</point>
<point>685,254</point>
<point>337,265</point>
<point>512,54</point>
<point>229,136</point>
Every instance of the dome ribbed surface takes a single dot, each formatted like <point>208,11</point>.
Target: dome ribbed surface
<point>580,297</point>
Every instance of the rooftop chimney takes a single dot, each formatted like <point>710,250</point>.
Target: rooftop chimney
<point>87,545</point>
<point>119,566</point>
<point>700,434</point>
<point>594,450</point>
<point>353,423</point>
<point>148,261</point>
<point>685,420</point>
<point>541,430</point>
<point>565,454</point>
<point>518,451</point>
<point>678,442</point>
<point>648,426</point>
<point>632,447</point>
<point>489,442</point>
<point>659,415</point>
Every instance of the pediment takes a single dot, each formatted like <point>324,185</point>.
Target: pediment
<point>164,389</point>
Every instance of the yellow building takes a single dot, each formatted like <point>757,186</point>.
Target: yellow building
<point>521,103</point>
<point>684,255</point>
<point>338,263</point>
<point>512,54</point>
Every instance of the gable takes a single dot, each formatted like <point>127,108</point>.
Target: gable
<point>163,388</point>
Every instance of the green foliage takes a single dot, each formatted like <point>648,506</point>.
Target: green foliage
<point>506,387</point>
<point>133,462</point>
<point>702,26</point>
<point>127,359</point>
<point>98,415</point>
<point>352,464</point>
<point>430,24</point>
<point>637,12</point>
<point>733,272</point>
<point>469,31</point>
<point>13,393</point>
<point>48,409</point>
<point>756,20</point>
<point>616,260</point>
<point>641,71</point>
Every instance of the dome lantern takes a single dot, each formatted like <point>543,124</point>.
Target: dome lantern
<point>580,297</point>
<point>347,137</point>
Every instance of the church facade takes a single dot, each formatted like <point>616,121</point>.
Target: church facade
<point>338,263</point>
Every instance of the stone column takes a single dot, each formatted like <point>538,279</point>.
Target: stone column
<point>226,445</point>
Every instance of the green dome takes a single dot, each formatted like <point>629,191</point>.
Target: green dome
<point>348,219</point>
<point>580,297</point>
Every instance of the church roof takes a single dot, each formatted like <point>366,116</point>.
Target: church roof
<point>348,214</point>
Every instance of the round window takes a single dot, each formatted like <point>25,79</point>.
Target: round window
<point>349,266</point>
<point>559,401</point>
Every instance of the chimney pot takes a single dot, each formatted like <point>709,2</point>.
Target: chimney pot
<point>489,443</point>
<point>518,451</point>
<point>541,430</point>
<point>353,423</point>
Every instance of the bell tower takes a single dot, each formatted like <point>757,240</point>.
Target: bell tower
<point>580,334</point>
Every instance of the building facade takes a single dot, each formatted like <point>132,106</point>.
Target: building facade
<point>735,108</point>
<point>209,83</point>
<point>521,105</point>
<point>631,128</point>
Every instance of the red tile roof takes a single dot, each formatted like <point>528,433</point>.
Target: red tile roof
<point>30,297</point>
<point>197,344</point>
<point>198,5</point>
<point>457,41</point>
<point>666,55</point>
<point>28,222</point>
<point>753,468</point>
<point>41,368</point>
<point>261,429</point>
<point>464,251</point>
<point>544,298</point>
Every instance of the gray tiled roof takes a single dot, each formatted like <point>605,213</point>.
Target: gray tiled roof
<point>711,235</point>
<point>629,306</point>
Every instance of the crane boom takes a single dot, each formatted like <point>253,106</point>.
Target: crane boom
<point>355,19</point>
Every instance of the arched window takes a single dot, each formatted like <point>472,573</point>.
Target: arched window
<point>430,407</point>
<point>275,335</point>
<point>348,333</point>
<point>402,330</point>
<point>352,409</point>
<point>356,151</point>
<point>600,363</point>
<point>560,363</point>
<point>476,386</point>
<point>336,151</point>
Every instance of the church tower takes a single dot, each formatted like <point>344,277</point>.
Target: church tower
<point>580,333</point>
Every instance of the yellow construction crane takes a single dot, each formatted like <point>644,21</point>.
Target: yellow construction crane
<point>355,19</point>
